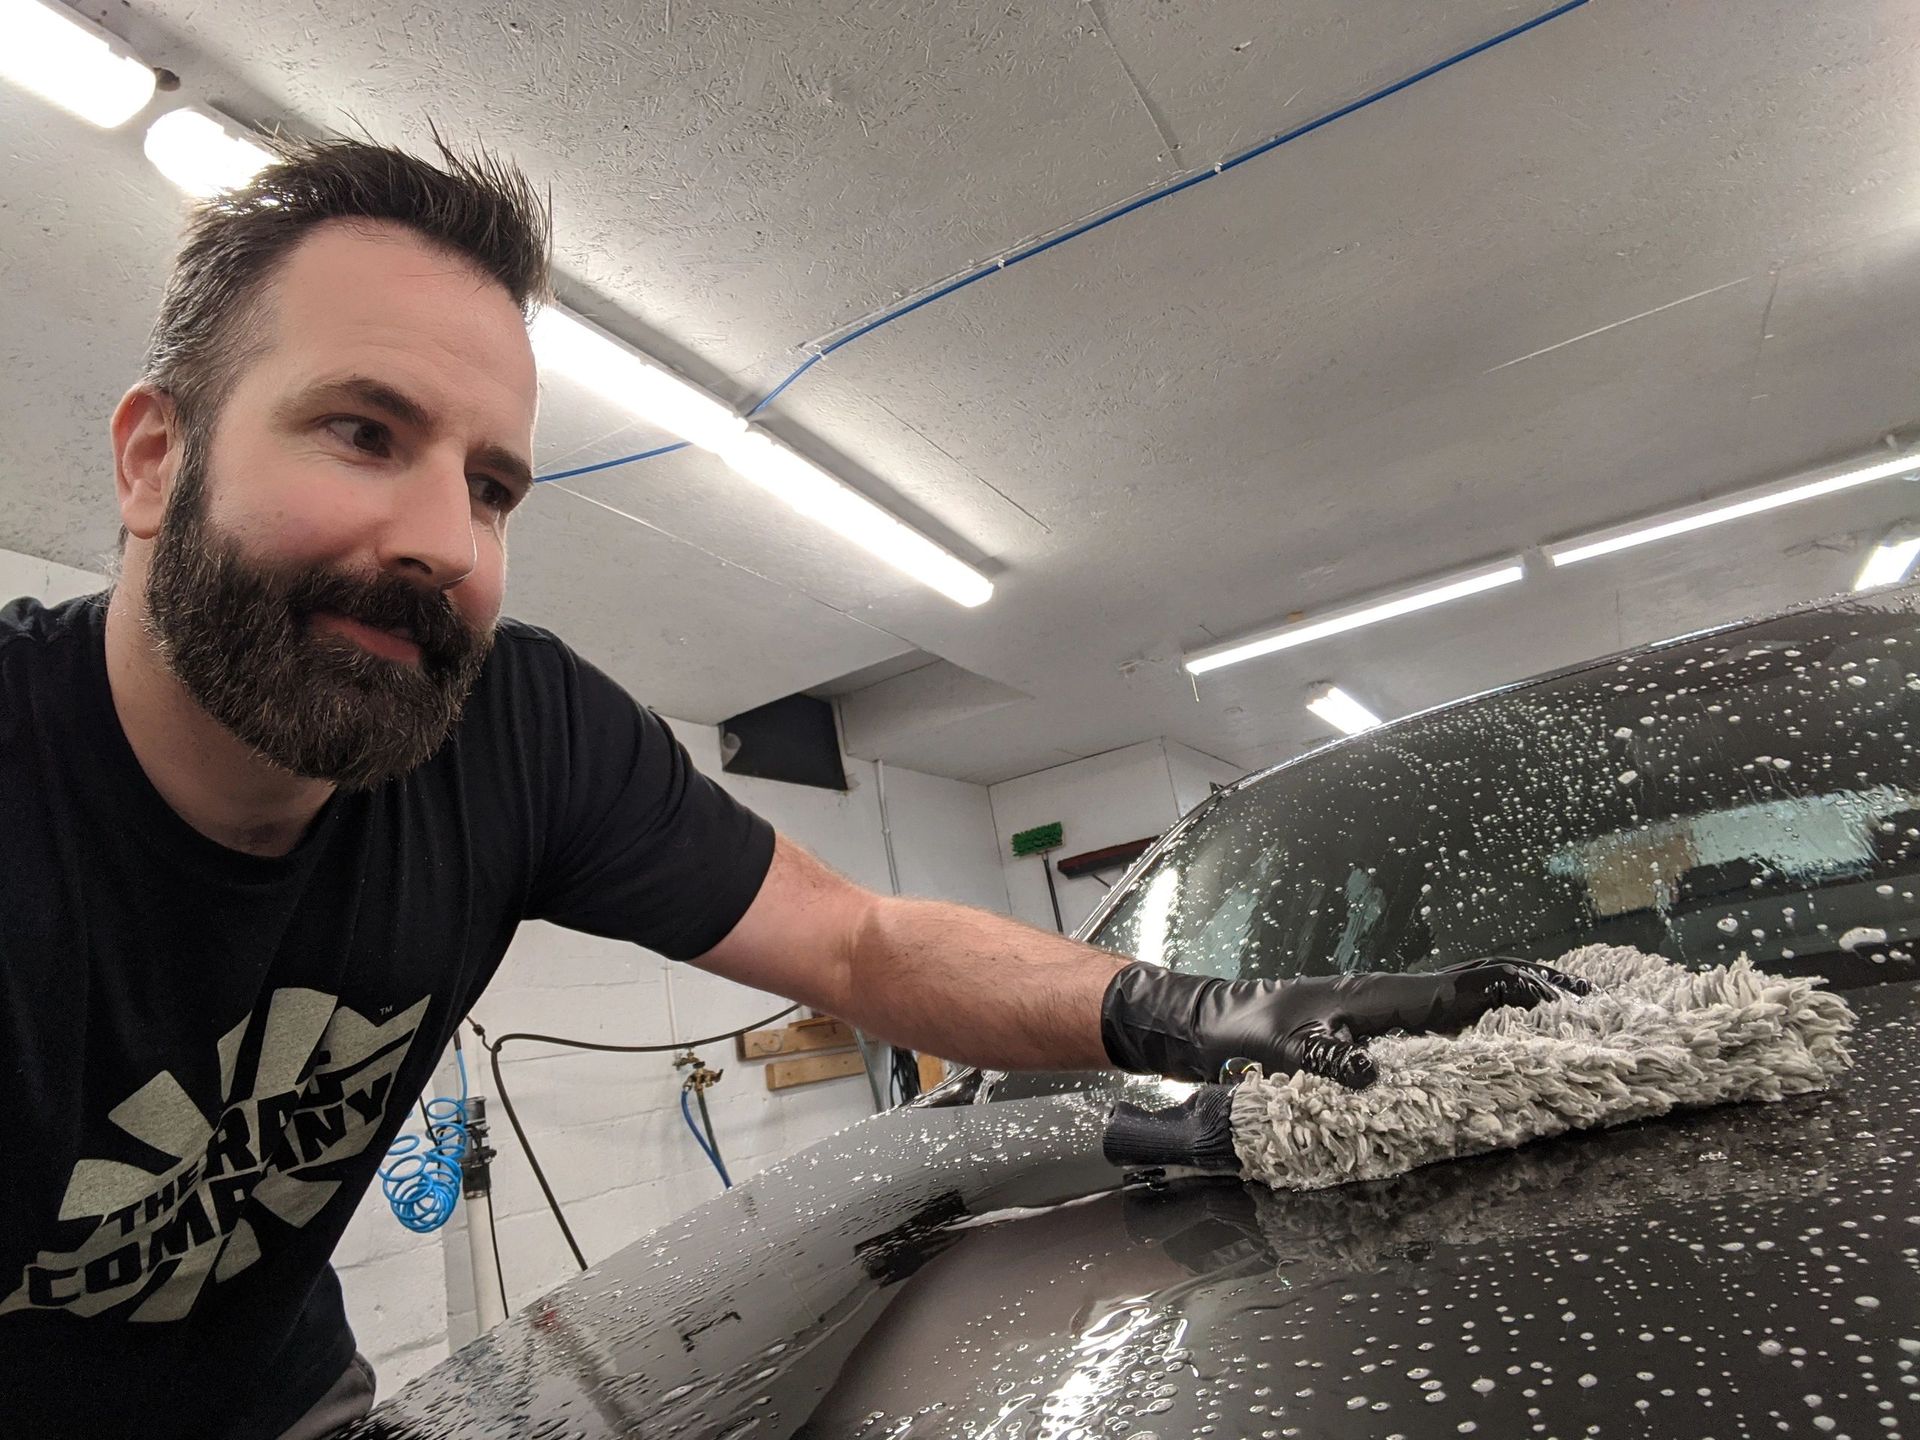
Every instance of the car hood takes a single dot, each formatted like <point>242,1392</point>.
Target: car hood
<point>981,1271</point>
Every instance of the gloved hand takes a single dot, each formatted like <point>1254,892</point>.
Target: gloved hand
<point>1186,1027</point>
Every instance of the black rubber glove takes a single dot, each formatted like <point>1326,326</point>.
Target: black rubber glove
<point>1157,1022</point>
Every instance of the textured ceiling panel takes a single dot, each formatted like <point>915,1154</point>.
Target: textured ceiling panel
<point>688,635</point>
<point>691,146</point>
<point>1644,254</point>
<point>1219,79</point>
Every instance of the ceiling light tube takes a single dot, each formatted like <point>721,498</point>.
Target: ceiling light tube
<point>1342,711</point>
<point>821,496</point>
<point>201,153</point>
<point>566,344</point>
<point>1718,512</point>
<point>1372,612</point>
<point>60,57</point>
<point>1889,561</point>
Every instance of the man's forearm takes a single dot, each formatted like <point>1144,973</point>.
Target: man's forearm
<point>976,987</point>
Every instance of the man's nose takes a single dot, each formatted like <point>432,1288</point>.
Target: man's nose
<point>429,532</point>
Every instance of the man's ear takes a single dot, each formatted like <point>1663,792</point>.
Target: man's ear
<point>147,443</point>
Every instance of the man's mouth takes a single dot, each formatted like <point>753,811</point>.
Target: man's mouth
<point>397,645</point>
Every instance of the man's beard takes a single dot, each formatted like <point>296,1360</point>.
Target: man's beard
<point>240,637</point>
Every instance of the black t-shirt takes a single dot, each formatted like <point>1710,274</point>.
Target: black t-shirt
<point>205,1054</point>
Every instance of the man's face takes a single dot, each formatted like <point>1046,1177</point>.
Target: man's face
<point>331,560</point>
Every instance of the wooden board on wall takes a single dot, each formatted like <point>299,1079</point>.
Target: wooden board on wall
<point>809,1069</point>
<point>796,1039</point>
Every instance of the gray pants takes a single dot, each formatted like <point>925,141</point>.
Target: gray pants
<point>349,1399</point>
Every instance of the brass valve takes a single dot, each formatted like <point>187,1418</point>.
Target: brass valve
<point>702,1079</point>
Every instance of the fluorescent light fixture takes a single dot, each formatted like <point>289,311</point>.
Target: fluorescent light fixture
<point>1698,517</point>
<point>821,496</point>
<point>567,345</point>
<point>60,57</point>
<point>1889,561</point>
<point>1390,607</point>
<point>1342,711</point>
<point>199,153</point>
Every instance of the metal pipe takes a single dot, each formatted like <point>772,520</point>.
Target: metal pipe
<point>893,881</point>
<point>476,1192</point>
<point>886,825</point>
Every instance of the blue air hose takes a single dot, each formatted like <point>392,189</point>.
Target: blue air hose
<point>422,1175</point>
<point>1074,232</point>
<point>686,1113</point>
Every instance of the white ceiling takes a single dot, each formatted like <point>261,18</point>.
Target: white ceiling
<point>1284,389</point>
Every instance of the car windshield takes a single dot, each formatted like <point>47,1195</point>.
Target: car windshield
<point>1751,792</point>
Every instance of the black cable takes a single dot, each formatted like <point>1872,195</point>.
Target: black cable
<point>493,1048</point>
<point>506,1103</point>
<point>1052,894</point>
<point>493,1234</point>
<point>903,1076</point>
<point>706,1120</point>
<point>494,1045</point>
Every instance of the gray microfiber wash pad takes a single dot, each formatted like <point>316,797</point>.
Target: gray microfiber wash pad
<point>1652,1037</point>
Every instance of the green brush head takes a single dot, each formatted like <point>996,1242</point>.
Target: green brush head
<point>1041,837</point>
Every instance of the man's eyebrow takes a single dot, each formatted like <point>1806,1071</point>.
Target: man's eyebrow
<point>511,467</point>
<point>378,395</point>
<point>374,394</point>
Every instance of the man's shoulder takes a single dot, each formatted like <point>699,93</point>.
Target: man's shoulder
<point>48,654</point>
<point>534,676</point>
<point>29,618</point>
<point>32,632</point>
<point>518,634</point>
<point>529,669</point>
<point>524,656</point>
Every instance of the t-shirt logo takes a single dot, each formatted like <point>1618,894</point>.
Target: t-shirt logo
<point>316,1094</point>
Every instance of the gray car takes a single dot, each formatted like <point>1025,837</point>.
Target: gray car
<point>970,1266</point>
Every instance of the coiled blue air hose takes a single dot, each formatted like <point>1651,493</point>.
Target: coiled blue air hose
<point>421,1178</point>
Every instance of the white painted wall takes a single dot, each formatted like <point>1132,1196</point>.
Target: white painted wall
<point>1195,773</point>
<point>46,580</point>
<point>943,839</point>
<point>1126,794</point>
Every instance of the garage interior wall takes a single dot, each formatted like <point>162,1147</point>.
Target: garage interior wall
<point>45,580</point>
<point>1126,794</point>
<point>608,1128</point>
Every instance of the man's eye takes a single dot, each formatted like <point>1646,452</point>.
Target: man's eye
<point>493,494</point>
<point>369,436</point>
